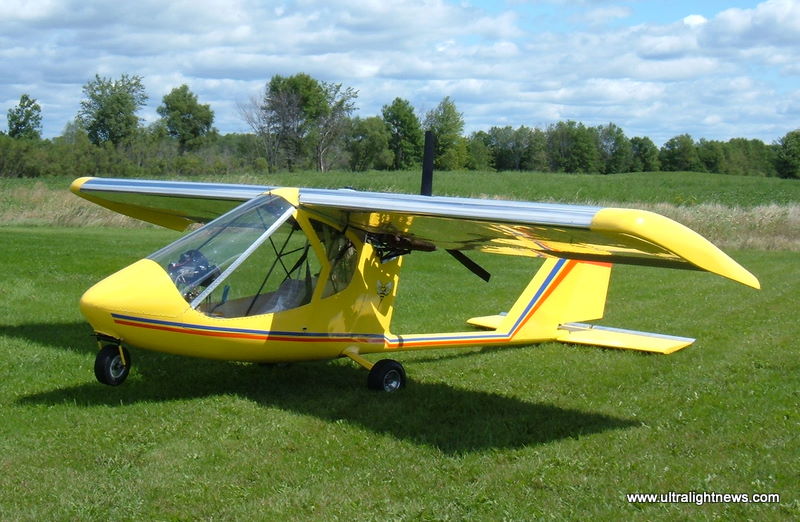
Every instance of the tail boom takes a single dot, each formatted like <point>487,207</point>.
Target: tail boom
<point>561,295</point>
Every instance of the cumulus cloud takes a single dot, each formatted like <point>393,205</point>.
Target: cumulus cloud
<point>603,15</point>
<point>695,20</point>
<point>716,75</point>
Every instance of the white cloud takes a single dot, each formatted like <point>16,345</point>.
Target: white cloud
<point>603,15</point>
<point>721,75</point>
<point>27,10</point>
<point>695,20</point>
<point>773,23</point>
<point>665,46</point>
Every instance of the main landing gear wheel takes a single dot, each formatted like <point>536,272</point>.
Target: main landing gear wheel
<point>112,364</point>
<point>386,375</point>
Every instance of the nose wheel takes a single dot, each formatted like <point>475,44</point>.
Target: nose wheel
<point>112,364</point>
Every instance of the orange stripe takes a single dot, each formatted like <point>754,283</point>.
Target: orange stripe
<point>400,342</point>
<point>568,266</point>
<point>235,335</point>
<point>547,293</point>
<point>194,332</point>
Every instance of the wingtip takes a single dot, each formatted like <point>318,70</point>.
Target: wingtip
<point>750,280</point>
<point>676,239</point>
<point>76,185</point>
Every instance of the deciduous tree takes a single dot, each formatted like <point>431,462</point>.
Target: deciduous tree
<point>300,119</point>
<point>788,155</point>
<point>185,119</point>
<point>405,133</point>
<point>572,147</point>
<point>644,155</point>
<point>108,113</point>
<point>711,154</point>
<point>368,144</point>
<point>615,149</point>
<point>25,119</point>
<point>679,153</point>
<point>330,123</point>
<point>479,154</point>
<point>447,124</point>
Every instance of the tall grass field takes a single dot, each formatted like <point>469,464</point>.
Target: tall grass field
<point>549,431</point>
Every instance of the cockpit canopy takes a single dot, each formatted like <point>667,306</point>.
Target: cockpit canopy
<point>256,259</point>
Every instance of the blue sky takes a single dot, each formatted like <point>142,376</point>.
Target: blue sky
<point>715,70</point>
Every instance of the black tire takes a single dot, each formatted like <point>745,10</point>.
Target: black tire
<point>386,375</point>
<point>109,367</point>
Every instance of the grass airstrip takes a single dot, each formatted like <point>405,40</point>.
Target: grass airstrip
<point>546,431</point>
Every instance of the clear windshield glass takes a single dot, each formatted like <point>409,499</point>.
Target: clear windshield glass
<point>196,260</point>
<point>280,273</point>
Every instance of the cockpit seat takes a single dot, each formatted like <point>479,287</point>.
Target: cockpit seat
<point>290,294</point>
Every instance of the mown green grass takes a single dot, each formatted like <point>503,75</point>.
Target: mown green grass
<point>547,431</point>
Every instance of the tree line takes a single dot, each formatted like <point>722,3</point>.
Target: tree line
<point>300,123</point>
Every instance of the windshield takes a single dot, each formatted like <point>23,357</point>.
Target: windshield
<point>195,261</point>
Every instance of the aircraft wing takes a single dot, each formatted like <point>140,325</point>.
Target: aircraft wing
<point>599,234</point>
<point>170,204</point>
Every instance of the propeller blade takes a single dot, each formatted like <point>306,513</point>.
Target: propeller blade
<point>471,265</point>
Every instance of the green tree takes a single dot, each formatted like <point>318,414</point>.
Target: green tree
<point>679,153</point>
<point>523,148</point>
<point>787,162</point>
<point>507,152</point>
<point>289,107</point>
<point>535,156</point>
<point>185,119</point>
<point>108,113</point>
<point>25,119</point>
<point>644,155</point>
<point>479,154</point>
<point>711,154</point>
<point>331,122</point>
<point>745,157</point>
<point>368,144</point>
<point>572,147</point>
<point>300,120</point>
<point>615,149</point>
<point>447,124</point>
<point>405,133</point>
<point>456,156</point>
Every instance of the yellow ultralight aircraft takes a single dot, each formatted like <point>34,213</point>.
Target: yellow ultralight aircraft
<point>288,274</point>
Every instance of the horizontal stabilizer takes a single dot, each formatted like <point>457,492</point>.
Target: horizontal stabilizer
<point>581,333</point>
<point>489,322</point>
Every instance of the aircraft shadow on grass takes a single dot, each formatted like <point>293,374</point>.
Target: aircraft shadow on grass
<point>454,420</point>
<point>76,336</point>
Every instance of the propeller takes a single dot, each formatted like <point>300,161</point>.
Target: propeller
<point>426,189</point>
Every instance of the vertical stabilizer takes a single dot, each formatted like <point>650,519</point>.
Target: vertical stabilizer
<point>562,291</point>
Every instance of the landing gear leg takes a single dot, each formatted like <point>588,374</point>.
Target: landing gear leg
<point>112,364</point>
<point>385,375</point>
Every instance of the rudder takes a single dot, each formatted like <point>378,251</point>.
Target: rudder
<point>562,291</point>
